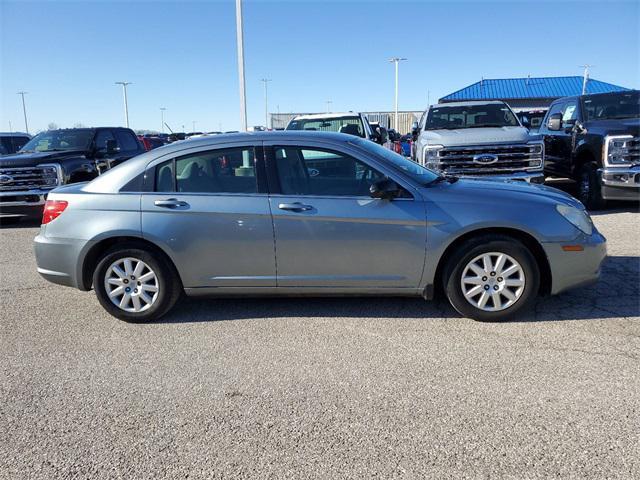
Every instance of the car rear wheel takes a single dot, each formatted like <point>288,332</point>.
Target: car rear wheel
<point>492,278</point>
<point>136,285</point>
<point>589,189</point>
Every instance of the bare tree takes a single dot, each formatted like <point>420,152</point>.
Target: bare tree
<point>78,125</point>
<point>52,126</point>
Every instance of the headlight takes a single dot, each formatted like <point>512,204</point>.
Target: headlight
<point>576,217</point>
<point>536,154</point>
<point>430,156</point>
<point>617,150</point>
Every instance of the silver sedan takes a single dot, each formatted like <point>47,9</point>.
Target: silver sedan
<point>310,213</point>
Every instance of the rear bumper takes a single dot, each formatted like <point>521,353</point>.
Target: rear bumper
<point>28,203</point>
<point>620,183</point>
<point>576,269</point>
<point>58,259</point>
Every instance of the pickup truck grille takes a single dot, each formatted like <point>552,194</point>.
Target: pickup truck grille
<point>498,159</point>
<point>633,146</point>
<point>42,177</point>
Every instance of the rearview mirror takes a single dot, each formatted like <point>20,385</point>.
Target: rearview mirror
<point>555,122</point>
<point>112,146</point>
<point>384,189</point>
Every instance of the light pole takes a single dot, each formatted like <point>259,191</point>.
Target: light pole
<point>24,111</point>
<point>396,60</point>
<point>585,77</point>
<point>126,106</point>
<point>240,46</point>
<point>329,102</point>
<point>162,109</point>
<point>193,124</point>
<point>266,104</point>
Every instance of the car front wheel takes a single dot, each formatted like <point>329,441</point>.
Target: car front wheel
<point>492,278</point>
<point>135,285</point>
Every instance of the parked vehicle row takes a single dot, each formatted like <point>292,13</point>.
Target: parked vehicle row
<point>337,214</point>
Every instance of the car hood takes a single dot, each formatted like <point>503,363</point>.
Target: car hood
<point>36,158</point>
<point>623,126</point>
<point>505,190</point>
<point>475,136</point>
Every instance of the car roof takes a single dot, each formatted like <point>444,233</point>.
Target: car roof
<point>468,104</point>
<point>315,116</point>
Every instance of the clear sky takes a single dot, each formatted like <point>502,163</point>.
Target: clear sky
<point>182,55</point>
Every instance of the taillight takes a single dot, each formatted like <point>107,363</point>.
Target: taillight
<point>52,210</point>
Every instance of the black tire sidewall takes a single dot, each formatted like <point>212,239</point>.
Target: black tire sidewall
<point>592,199</point>
<point>167,294</point>
<point>468,252</point>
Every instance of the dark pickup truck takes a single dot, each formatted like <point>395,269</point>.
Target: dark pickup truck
<point>58,157</point>
<point>595,140</point>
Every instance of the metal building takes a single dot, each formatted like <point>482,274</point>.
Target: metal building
<point>529,93</point>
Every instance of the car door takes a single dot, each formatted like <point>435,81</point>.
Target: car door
<point>209,210</point>
<point>558,143</point>
<point>329,231</point>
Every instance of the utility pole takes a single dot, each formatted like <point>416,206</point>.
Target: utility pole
<point>585,77</point>
<point>266,104</point>
<point>396,60</point>
<point>10,127</point>
<point>240,46</point>
<point>24,111</point>
<point>126,106</point>
<point>162,109</point>
<point>329,102</point>
<point>193,124</point>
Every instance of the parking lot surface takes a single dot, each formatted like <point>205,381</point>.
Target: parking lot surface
<point>321,388</point>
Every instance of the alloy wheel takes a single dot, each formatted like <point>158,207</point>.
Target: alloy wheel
<point>493,281</point>
<point>131,285</point>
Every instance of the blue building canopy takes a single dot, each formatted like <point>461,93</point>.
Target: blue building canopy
<point>529,88</point>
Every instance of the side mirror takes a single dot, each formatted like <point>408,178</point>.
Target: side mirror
<point>555,122</point>
<point>414,131</point>
<point>384,135</point>
<point>112,146</point>
<point>384,189</point>
<point>525,122</point>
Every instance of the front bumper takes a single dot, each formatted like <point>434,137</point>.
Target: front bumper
<point>529,177</point>
<point>620,183</point>
<point>59,259</point>
<point>28,203</point>
<point>576,269</point>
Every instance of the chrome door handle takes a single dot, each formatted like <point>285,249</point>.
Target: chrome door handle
<point>295,207</point>
<point>170,203</point>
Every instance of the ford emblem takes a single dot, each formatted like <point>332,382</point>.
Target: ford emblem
<point>485,158</point>
<point>4,179</point>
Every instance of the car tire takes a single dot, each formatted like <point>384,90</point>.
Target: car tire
<point>589,188</point>
<point>504,291</point>
<point>152,282</point>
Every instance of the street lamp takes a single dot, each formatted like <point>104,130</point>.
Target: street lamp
<point>266,104</point>
<point>126,106</point>
<point>396,60</point>
<point>328,102</point>
<point>162,109</point>
<point>24,111</point>
<point>240,46</point>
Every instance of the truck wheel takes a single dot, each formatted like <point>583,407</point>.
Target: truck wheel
<point>136,285</point>
<point>589,189</point>
<point>491,278</point>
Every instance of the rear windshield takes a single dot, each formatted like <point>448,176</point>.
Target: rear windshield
<point>470,116</point>
<point>350,125</point>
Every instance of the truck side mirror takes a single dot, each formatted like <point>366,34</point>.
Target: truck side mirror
<point>555,122</point>
<point>525,122</point>
<point>414,131</point>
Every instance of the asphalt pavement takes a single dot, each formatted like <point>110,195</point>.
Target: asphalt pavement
<point>321,388</point>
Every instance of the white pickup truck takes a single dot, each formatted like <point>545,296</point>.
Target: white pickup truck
<point>478,139</point>
<point>351,123</point>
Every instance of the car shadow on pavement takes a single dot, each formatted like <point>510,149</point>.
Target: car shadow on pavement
<point>616,295</point>
<point>22,223</point>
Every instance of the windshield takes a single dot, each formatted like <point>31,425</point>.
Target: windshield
<point>470,116</point>
<point>56,140</point>
<point>417,172</point>
<point>606,107</point>
<point>350,125</point>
